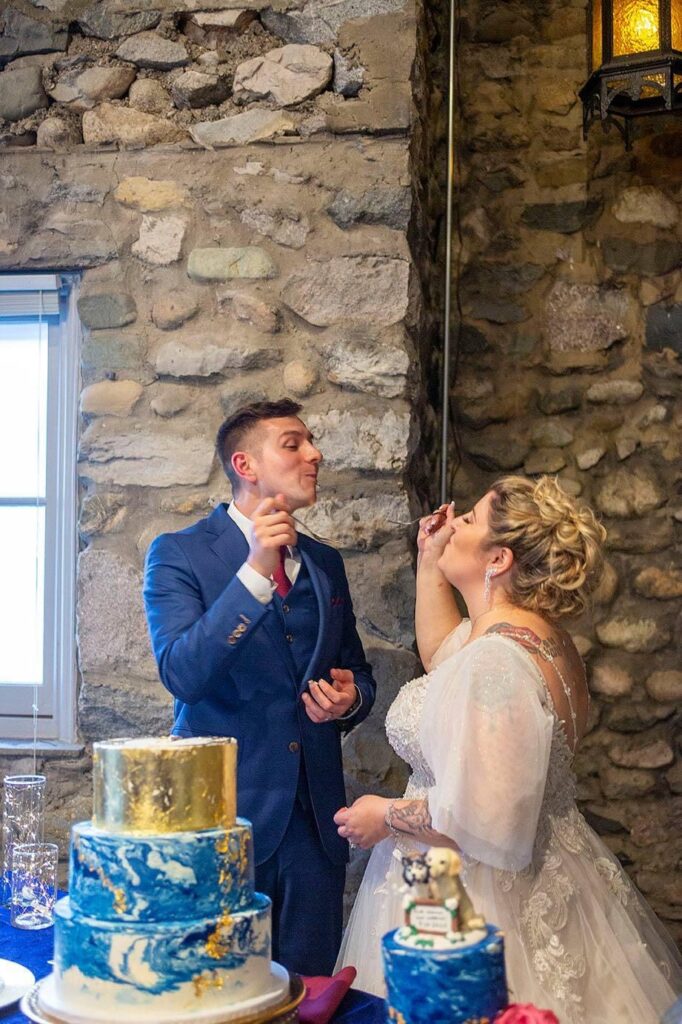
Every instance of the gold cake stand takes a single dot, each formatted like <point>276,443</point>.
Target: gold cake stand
<point>285,1013</point>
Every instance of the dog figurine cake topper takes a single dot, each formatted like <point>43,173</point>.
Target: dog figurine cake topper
<point>436,902</point>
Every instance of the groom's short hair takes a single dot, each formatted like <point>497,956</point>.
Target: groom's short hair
<point>235,429</point>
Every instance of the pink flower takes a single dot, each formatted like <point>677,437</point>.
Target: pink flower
<point>526,1013</point>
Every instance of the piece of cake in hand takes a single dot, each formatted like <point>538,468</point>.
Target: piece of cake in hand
<point>445,965</point>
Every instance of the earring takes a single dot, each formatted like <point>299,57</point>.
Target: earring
<point>489,573</point>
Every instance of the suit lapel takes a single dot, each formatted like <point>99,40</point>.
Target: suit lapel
<point>229,543</point>
<point>322,588</point>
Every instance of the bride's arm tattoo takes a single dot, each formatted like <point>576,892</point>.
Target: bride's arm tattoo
<point>411,818</point>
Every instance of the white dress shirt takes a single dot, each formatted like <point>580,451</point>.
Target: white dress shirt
<point>258,586</point>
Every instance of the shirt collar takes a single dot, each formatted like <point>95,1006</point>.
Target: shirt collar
<point>242,521</point>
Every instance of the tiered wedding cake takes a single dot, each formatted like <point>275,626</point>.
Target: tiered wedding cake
<point>162,923</point>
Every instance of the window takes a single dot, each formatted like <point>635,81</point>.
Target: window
<point>38,428</point>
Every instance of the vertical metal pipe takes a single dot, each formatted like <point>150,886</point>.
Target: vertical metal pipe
<point>445,407</point>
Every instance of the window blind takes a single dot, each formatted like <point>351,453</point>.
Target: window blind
<point>29,295</point>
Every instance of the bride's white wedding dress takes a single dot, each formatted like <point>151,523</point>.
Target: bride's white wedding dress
<point>486,746</point>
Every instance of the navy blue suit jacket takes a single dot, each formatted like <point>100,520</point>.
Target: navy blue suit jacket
<point>224,657</point>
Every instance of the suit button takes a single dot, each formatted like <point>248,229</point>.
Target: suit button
<point>290,638</point>
<point>294,746</point>
<point>285,607</point>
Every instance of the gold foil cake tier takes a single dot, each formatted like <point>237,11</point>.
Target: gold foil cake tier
<point>164,784</point>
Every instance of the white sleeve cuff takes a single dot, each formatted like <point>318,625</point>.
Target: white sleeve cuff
<point>258,586</point>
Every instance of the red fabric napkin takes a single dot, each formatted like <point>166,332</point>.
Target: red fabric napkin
<point>525,1013</point>
<point>323,996</point>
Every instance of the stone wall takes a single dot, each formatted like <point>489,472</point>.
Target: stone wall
<point>569,363</point>
<point>236,187</point>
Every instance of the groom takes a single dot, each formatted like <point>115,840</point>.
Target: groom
<point>254,635</point>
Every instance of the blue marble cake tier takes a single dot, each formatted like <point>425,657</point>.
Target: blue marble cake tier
<point>435,980</point>
<point>176,876</point>
<point>105,966</point>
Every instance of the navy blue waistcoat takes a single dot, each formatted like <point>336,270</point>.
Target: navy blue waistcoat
<point>300,616</point>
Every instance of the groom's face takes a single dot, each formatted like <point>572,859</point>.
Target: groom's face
<point>285,460</point>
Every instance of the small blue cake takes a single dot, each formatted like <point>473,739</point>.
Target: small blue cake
<point>440,979</point>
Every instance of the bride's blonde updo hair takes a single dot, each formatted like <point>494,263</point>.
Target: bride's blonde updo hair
<point>556,543</point>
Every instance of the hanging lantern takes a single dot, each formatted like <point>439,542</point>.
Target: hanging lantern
<point>635,62</point>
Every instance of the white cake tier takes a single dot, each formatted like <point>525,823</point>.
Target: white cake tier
<point>158,971</point>
<point>217,1012</point>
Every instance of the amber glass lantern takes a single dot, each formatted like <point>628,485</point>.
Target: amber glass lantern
<point>635,62</point>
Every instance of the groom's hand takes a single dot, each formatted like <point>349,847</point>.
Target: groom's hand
<point>273,526</point>
<point>324,702</point>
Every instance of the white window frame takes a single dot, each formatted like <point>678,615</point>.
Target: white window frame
<point>55,699</point>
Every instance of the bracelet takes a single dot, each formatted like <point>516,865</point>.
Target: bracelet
<point>399,838</point>
<point>355,706</point>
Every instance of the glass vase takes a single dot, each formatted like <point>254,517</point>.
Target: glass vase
<point>23,821</point>
<point>34,885</point>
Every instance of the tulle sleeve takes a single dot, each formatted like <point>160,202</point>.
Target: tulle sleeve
<point>451,643</point>
<point>486,733</point>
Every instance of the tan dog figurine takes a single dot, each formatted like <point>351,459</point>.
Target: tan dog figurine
<point>445,884</point>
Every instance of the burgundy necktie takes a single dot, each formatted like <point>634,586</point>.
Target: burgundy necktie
<point>279,575</point>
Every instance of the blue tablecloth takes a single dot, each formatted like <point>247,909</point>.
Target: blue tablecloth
<point>34,950</point>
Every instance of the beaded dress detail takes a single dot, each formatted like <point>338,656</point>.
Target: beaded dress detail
<point>494,760</point>
<point>405,710</point>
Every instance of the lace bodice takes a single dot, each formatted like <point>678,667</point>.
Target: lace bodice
<point>402,729</point>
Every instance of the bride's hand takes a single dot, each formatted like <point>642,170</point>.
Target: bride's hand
<point>363,824</point>
<point>432,537</point>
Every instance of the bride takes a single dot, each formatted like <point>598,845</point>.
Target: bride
<point>490,733</point>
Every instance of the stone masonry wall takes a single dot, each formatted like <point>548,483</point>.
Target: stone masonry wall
<point>236,187</point>
<point>569,363</point>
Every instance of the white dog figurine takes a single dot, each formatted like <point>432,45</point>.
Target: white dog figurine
<point>446,885</point>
